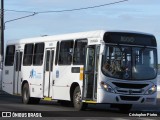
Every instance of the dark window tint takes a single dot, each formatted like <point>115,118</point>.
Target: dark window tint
<point>38,54</point>
<point>9,60</point>
<point>66,51</point>
<point>52,58</point>
<point>79,52</point>
<point>28,54</point>
<point>49,60</point>
<point>57,51</point>
<point>18,61</point>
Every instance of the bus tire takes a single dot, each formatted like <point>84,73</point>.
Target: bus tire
<point>26,99</point>
<point>77,100</point>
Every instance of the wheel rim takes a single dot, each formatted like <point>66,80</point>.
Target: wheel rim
<point>25,94</point>
<point>78,98</point>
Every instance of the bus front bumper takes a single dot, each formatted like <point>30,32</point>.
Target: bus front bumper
<point>106,97</point>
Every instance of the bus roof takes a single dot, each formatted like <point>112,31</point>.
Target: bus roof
<point>69,36</point>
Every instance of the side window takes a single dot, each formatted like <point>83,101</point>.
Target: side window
<point>66,52</point>
<point>9,60</point>
<point>57,51</point>
<point>28,54</point>
<point>38,54</point>
<point>79,52</point>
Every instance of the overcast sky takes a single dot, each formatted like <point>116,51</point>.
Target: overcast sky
<point>134,15</point>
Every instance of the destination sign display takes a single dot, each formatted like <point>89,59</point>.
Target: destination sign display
<point>130,38</point>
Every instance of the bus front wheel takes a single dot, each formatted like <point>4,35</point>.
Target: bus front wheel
<point>77,100</point>
<point>26,99</point>
<point>25,94</point>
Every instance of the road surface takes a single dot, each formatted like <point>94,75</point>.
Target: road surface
<point>10,103</point>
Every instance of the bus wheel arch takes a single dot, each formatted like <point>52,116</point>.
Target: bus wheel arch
<point>24,82</point>
<point>26,99</point>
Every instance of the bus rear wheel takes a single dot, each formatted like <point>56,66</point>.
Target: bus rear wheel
<point>77,100</point>
<point>26,99</point>
<point>25,94</point>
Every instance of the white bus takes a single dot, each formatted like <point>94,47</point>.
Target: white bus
<point>115,67</point>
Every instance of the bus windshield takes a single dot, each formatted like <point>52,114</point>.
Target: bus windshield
<point>127,62</point>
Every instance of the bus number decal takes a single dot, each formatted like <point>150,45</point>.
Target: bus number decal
<point>127,39</point>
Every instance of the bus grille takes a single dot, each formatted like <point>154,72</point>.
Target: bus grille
<point>129,85</point>
<point>134,91</point>
<point>130,98</point>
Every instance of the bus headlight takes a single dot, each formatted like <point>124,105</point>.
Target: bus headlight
<point>151,90</point>
<point>107,87</point>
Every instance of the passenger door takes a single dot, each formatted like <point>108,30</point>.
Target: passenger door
<point>90,73</point>
<point>17,66</point>
<point>8,70</point>
<point>48,82</point>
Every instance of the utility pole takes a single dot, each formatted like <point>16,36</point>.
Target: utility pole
<point>1,41</point>
<point>2,32</point>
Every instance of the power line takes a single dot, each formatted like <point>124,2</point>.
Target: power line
<point>20,18</point>
<point>83,8</point>
<point>69,10</point>
<point>18,11</point>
